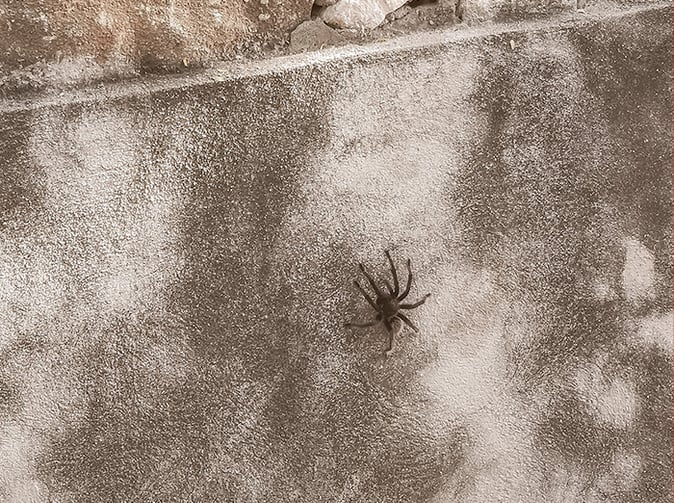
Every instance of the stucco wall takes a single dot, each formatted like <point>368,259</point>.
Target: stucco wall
<point>177,258</point>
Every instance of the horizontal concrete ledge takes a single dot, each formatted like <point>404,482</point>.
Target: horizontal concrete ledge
<point>394,48</point>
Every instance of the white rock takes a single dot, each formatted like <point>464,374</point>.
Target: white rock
<point>359,13</point>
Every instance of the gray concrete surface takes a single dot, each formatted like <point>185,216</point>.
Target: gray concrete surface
<point>177,258</point>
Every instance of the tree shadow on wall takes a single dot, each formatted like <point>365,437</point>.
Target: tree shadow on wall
<point>576,158</point>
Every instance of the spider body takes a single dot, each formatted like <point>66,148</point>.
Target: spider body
<point>388,306</point>
<point>388,303</point>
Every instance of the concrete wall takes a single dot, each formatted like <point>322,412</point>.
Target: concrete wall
<point>177,258</point>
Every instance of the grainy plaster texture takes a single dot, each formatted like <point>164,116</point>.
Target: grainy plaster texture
<point>177,258</point>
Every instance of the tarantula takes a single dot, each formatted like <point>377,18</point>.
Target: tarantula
<point>388,305</point>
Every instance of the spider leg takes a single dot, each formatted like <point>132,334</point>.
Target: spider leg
<point>366,324</point>
<point>389,288</point>
<point>367,297</point>
<point>394,273</point>
<point>407,321</point>
<point>416,304</point>
<point>371,280</point>
<point>391,333</point>
<point>362,325</point>
<point>409,281</point>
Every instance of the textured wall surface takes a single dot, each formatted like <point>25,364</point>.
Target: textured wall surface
<point>176,268</point>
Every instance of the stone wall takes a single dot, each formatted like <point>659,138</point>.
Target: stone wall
<point>63,43</point>
<point>177,260</point>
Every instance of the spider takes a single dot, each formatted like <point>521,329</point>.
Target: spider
<point>388,305</point>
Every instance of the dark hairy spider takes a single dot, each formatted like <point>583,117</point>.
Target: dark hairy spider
<point>388,304</point>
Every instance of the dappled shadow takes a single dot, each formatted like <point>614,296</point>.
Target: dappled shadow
<point>570,169</point>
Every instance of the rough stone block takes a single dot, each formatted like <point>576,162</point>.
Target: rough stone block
<point>61,41</point>
<point>359,13</point>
